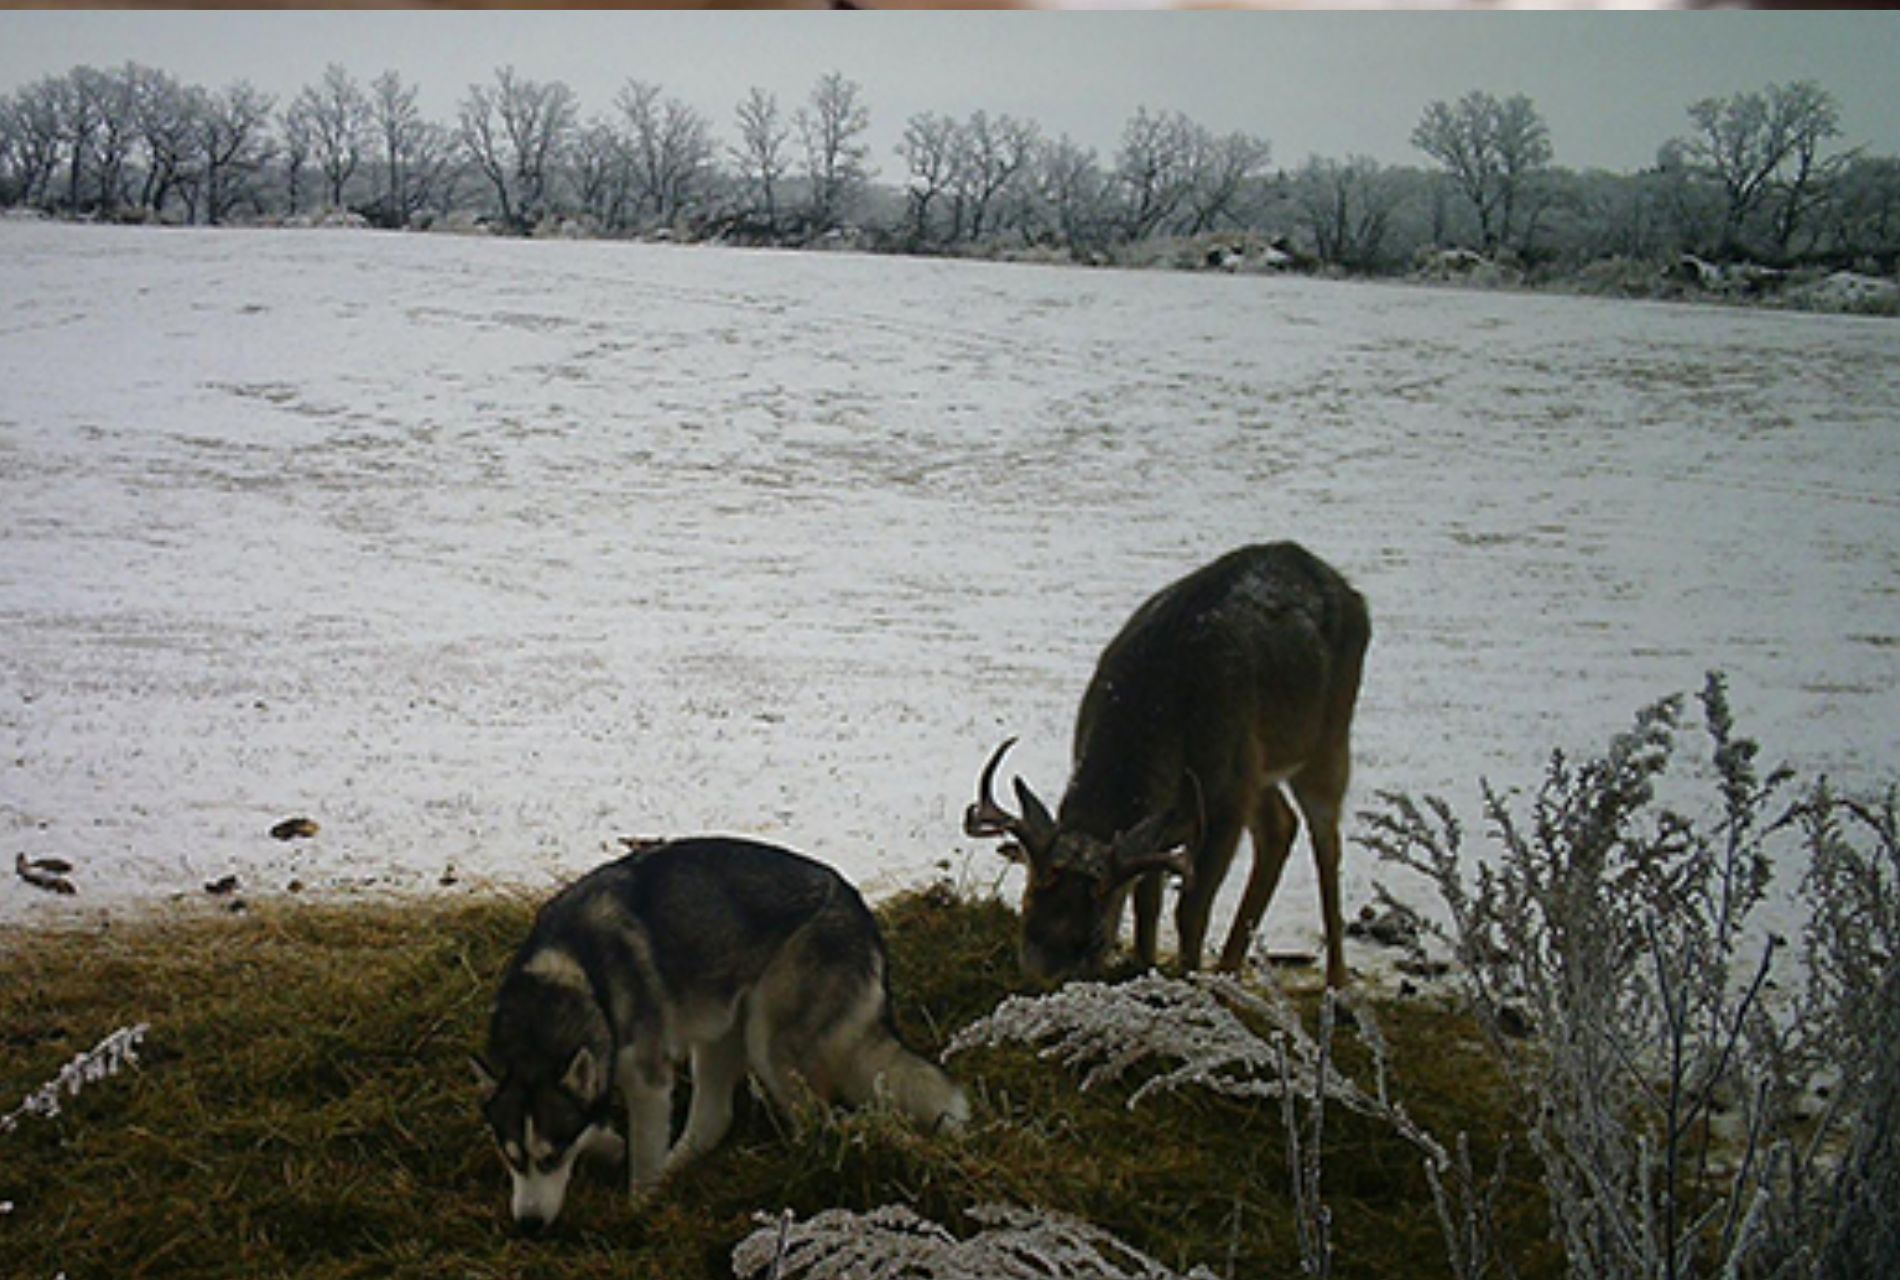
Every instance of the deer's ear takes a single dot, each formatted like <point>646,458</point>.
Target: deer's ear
<point>1039,829</point>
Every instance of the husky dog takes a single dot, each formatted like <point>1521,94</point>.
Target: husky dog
<point>737,954</point>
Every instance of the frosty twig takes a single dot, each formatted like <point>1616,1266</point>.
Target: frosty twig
<point>103,1061</point>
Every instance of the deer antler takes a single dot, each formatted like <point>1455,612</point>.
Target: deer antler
<point>1146,847</point>
<point>986,818</point>
<point>1031,834</point>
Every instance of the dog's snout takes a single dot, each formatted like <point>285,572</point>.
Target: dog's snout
<point>531,1224</point>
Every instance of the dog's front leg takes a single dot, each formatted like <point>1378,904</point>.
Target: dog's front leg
<point>649,1097</point>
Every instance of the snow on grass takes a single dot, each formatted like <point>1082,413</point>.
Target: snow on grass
<point>481,553</point>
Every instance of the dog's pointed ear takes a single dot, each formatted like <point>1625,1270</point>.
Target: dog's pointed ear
<point>584,1078</point>
<point>484,1074</point>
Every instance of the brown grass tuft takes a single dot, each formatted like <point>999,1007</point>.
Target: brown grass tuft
<point>305,1108</point>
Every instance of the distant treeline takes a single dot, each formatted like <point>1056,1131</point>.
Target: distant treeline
<point>1758,177</point>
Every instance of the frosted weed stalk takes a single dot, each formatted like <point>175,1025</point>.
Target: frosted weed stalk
<point>1193,1030</point>
<point>893,1241</point>
<point>1661,1094</point>
<point>101,1062</point>
<point>1104,1030</point>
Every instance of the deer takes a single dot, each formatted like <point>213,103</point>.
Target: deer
<point>1222,692</point>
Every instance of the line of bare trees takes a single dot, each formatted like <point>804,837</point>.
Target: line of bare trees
<point>1755,175</point>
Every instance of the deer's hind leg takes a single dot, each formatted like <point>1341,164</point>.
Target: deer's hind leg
<point>1273,826</point>
<point>1321,791</point>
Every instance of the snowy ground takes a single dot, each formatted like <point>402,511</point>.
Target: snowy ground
<point>481,553</point>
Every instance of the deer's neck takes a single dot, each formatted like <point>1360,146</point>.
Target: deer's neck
<point>1119,782</point>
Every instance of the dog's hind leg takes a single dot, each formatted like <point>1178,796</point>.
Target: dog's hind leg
<point>718,1068</point>
<point>772,1053</point>
<point>787,1016</point>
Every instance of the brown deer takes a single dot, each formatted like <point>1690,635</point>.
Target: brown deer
<point>1238,678</point>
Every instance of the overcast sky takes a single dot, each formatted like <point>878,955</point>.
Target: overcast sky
<point>1611,86</point>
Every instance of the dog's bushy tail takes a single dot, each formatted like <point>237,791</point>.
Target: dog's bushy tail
<point>917,1088</point>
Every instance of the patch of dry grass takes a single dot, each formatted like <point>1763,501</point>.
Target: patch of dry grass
<point>305,1107</point>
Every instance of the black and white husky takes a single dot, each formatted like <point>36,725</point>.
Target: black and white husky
<point>737,954</point>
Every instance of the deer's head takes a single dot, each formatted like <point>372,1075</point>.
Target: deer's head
<point>1078,880</point>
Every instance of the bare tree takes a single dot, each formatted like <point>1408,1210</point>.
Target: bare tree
<point>831,127</point>
<point>486,141</point>
<point>514,132</point>
<point>669,150</point>
<point>1865,214</point>
<point>419,157</point>
<point>639,105</point>
<point>686,143</point>
<point>1155,169</point>
<point>77,101</point>
<point>761,154</point>
<point>1491,149</point>
<point>1522,143</point>
<point>1347,206</point>
<point>1613,214</point>
<point>396,125</point>
<point>1812,118</point>
<point>1763,152</point>
<point>167,125</point>
<point>233,144</point>
<point>600,169</point>
<point>115,95</point>
<point>298,141</point>
<point>1222,170</point>
<point>335,115</point>
<point>434,170</point>
<point>930,148</point>
<point>994,156</point>
<point>36,121</point>
<point>11,153</point>
<point>1074,194</point>
<point>89,126</point>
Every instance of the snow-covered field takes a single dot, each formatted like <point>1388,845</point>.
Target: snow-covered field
<point>481,553</point>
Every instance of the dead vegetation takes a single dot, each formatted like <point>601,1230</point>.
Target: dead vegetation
<point>303,1105</point>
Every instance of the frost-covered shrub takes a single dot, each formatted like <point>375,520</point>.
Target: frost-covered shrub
<point>1850,1022</point>
<point>1188,1034</point>
<point>1183,1034</point>
<point>894,1243</point>
<point>101,1062</point>
<point>1663,1097</point>
<point>1187,1027</point>
<point>1852,887</point>
<point>1862,1231</point>
<point>1848,292</point>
